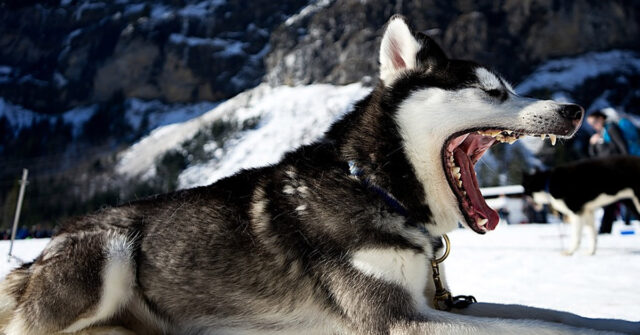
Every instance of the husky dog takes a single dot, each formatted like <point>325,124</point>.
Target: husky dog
<point>334,239</point>
<point>578,189</point>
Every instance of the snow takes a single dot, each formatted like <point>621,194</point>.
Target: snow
<point>78,116</point>
<point>60,80</point>
<point>568,73</point>
<point>517,264</point>
<point>134,9</point>
<point>5,73</point>
<point>290,117</point>
<point>159,114</point>
<point>23,251</point>
<point>160,12</point>
<point>310,108</point>
<point>229,47</point>
<point>18,116</point>
<point>307,10</point>
<point>201,9</point>
<point>499,190</point>
<point>522,264</point>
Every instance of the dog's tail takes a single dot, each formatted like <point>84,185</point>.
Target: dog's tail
<point>11,289</point>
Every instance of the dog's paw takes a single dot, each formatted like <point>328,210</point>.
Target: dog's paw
<point>567,253</point>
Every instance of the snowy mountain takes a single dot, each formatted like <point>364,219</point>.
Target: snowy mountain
<point>252,129</point>
<point>142,116</point>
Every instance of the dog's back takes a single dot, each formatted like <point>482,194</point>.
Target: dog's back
<point>247,251</point>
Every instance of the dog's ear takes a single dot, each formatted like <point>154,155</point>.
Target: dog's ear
<point>430,54</point>
<point>398,50</point>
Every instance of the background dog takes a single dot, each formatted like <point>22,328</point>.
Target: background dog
<point>578,189</point>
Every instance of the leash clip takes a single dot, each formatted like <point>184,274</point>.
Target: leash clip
<point>443,300</point>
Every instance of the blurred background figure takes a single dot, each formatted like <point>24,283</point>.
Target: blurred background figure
<point>614,135</point>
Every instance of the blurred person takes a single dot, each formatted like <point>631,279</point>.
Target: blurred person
<point>608,138</point>
<point>22,233</point>
<point>535,213</point>
<point>611,137</point>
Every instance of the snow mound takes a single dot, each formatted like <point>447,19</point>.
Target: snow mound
<point>287,118</point>
<point>568,73</point>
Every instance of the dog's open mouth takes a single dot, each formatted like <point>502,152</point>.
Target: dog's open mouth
<point>460,154</point>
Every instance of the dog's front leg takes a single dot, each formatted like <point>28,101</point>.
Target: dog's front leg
<point>588,220</point>
<point>524,312</point>
<point>576,234</point>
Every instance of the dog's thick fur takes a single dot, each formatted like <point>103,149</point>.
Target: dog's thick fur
<point>303,246</point>
<point>578,189</point>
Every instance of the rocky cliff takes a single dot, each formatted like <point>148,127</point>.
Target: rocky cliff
<point>337,43</point>
<point>55,55</point>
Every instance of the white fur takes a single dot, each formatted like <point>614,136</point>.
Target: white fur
<point>17,326</point>
<point>606,199</point>
<point>406,268</point>
<point>118,281</point>
<point>429,116</point>
<point>488,80</point>
<point>397,43</point>
<point>411,270</point>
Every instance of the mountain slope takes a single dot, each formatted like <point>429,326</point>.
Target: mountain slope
<point>252,129</point>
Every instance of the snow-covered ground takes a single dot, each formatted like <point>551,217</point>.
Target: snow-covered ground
<point>518,264</point>
<point>522,264</point>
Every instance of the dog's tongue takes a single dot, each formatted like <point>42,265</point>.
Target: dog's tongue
<point>470,184</point>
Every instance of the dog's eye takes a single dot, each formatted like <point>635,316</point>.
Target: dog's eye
<point>496,93</point>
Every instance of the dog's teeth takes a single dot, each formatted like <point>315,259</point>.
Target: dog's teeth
<point>459,183</point>
<point>464,192</point>
<point>455,170</point>
<point>512,140</point>
<point>543,136</point>
<point>509,132</point>
<point>481,222</point>
<point>553,139</point>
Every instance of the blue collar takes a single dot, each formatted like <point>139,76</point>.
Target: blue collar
<point>546,185</point>
<point>389,199</point>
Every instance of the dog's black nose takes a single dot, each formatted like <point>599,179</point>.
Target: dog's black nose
<point>572,112</point>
